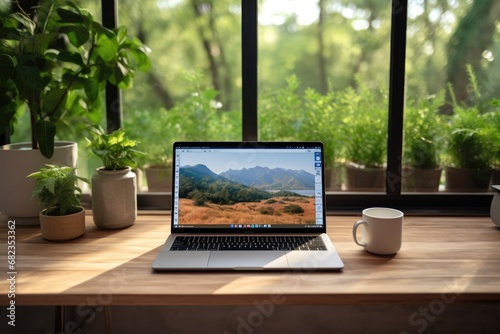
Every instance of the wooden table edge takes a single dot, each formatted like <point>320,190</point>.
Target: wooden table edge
<point>250,299</point>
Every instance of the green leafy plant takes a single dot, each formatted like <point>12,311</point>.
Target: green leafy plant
<point>287,115</point>
<point>323,121</point>
<point>197,117</point>
<point>494,120</point>
<point>157,140</point>
<point>473,136</point>
<point>116,150</point>
<point>281,112</point>
<point>57,62</point>
<point>366,134</point>
<point>57,189</point>
<point>424,132</point>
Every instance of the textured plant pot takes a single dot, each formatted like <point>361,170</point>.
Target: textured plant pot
<point>495,206</point>
<point>421,179</point>
<point>18,161</point>
<point>495,176</point>
<point>333,178</point>
<point>114,198</point>
<point>62,228</point>
<point>467,180</point>
<point>365,179</point>
<point>159,179</point>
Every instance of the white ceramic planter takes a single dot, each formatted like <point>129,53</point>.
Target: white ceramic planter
<point>114,198</point>
<point>18,161</point>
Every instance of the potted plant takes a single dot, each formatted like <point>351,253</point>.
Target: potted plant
<point>323,122</point>
<point>471,144</point>
<point>423,142</point>
<point>365,140</point>
<point>55,62</point>
<point>156,163</point>
<point>158,168</point>
<point>495,121</point>
<point>63,217</point>
<point>114,187</point>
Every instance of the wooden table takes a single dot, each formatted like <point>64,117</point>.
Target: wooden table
<point>450,258</point>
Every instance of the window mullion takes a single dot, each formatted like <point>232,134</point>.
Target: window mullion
<point>113,95</point>
<point>396,96</point>
<point>249,21</point>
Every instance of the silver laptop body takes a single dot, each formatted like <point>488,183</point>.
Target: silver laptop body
<point>263,200</point>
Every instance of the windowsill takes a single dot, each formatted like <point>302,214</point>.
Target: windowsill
<point>341,203</point>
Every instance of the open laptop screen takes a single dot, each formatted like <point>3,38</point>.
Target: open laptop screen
<point>248,186</point>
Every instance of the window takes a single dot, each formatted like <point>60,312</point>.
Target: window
<point>451,114</point>
<point>317,82</point>
<point>193,90</point>
<point>338,71</point>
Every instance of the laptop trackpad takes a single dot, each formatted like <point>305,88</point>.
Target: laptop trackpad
<point>248,260</point>
<point>181,260</point>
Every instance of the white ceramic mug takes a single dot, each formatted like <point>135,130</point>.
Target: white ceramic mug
<point>382,231</point>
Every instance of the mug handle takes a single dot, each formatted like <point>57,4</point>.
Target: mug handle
<point>354,229</point>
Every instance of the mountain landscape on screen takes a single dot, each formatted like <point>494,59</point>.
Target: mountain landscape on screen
<point>234,194</point>
<point>271,179</point>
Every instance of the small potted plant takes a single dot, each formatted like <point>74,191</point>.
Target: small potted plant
<point>114,186</point>
<point>157,143</point>
<point>158,168</point>
<point>471,143</point>
<point>324,122</point>
<point>365,140</point>
<point>423,143</point>
<point>495,121</point>
<point>63,217</point>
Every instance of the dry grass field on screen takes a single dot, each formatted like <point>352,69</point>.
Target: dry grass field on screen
<point>278,210</point>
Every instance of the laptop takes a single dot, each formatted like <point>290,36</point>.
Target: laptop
<point>248,206</point>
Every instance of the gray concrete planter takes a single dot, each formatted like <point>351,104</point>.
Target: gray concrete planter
<point>114,198</point>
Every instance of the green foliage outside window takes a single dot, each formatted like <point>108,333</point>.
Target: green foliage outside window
<point>424,133</point>
<point>473,130</point>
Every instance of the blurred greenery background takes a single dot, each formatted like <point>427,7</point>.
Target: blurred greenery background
<point>323,66</point>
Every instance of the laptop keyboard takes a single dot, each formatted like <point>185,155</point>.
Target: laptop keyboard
<point>230,243</point>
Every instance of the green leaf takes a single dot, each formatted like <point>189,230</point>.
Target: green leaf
<point>24,20</point>
<point>7,66</point>
<point>50,184</point>
<point>107,48</point>
<point>68,16</point>
<point>121,34</point>
<point>45,133</point>
<point>209,94</point>
<point>45,13</point>
<point>77,35</point>
<point>141,58</point>
<point>71,57</point>
<point>119,76</point>
<point>53,102</point>
<point>102,30</point>
<point>42,42</point>
<point>92,89</point>
<point>68,78</point>
<point>29,76</point>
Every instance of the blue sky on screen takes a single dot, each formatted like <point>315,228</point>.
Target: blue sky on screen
<point>221,162</point>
